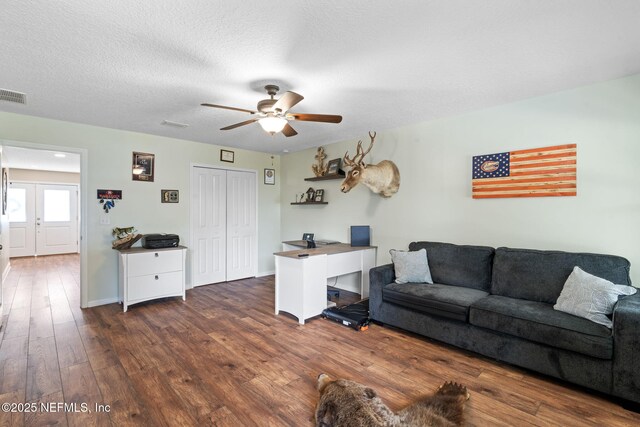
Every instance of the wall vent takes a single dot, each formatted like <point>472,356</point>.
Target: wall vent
<point>174,124</point>
<point>12,96</point>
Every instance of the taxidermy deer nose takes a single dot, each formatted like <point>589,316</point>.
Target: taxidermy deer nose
<point>344,189</point>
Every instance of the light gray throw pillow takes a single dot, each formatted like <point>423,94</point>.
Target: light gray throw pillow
<point>411,266</point>
<point>591,297</point>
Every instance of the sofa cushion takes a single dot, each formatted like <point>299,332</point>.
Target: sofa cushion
<point>540,275</point>
<point>458,265</point>
<point>539,322</point>
<point>441,300</point>
<point>591,297</point>
<point>411,266</point>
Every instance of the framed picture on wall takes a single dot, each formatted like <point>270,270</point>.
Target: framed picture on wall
<point>169,196</point>
<point>227,156</point>
<point>270,176</point>
<point>143,168</point>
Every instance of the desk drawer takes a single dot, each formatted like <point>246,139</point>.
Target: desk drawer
<point>344,263</point>
<point>154,262</point>
<point>154,286</point>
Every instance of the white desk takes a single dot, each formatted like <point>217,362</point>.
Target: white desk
<point>301,283</point>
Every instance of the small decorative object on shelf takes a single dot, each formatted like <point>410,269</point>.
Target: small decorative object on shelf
<point>311,195</point>
<point>319,168</point>
<point>125,237</point>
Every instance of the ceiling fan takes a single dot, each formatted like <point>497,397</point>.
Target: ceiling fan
<point>274,116</point>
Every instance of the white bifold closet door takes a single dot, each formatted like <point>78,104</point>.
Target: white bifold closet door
<point>223,207</point>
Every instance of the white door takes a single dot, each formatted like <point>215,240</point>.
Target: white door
<point>56,219</point>
<point>241,225</point>
<point>21,207</point>
<point>208,207</point>
<point>43,219</point>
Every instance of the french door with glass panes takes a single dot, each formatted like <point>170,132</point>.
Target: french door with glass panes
<point>43,219</point>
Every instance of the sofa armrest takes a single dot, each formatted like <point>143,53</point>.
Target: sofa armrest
<point>378,277</point>
<point>626,348</point>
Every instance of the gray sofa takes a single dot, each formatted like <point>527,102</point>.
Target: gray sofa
<point>499,303</point>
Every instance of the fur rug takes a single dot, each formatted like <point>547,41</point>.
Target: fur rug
<point>345,403</point>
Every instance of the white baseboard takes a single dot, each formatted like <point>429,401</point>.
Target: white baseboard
<point>104,301</point>
<point>266,273</point>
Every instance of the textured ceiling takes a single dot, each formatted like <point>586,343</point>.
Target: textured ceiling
<point>26,158</point>
<point>380,64</point>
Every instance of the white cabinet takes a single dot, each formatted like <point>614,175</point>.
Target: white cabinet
<point>146,274</point>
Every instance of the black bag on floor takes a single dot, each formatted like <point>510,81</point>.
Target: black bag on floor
<point>355,315</point>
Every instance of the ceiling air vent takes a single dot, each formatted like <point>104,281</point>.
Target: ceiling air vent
<point>174,124</point>
<point>12,96</point>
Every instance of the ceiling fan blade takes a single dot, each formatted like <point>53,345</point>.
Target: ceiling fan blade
<point>289,131</point>
<point>237,125</point>
<point>229,108</point>
<point>325,118</point>
<point>286,101</point>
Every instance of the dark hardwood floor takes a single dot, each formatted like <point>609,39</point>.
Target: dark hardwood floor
<point>223,358</point>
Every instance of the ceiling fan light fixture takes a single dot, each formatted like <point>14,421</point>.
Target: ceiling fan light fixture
<point>272,124</point>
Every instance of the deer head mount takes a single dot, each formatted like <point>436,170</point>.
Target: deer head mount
<point>382,178</point>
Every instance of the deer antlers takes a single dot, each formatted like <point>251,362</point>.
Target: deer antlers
<point>358,158</point>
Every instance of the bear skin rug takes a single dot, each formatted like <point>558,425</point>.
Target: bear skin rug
<point>345,403</point>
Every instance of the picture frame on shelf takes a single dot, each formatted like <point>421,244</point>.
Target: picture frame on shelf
<point>227,156</point>
<point>270,176</point>
<point>319,195</point>
<point>169,196</point>
<point>333,167</point>
<point>143,167</point>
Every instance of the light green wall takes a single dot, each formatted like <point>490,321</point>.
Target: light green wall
<point>109,167</point>
<point>434,158</point>
<point>30,175</point>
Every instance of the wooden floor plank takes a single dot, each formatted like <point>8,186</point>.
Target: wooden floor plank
<point>40,325</point>
<point>43,371</point>
<point>49,411</point>
<point>223,358</point>
<point>13,364</point>
<point>79,387</point>
<point>69,345</point>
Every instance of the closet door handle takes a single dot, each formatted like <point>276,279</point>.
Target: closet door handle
<point>156,277</point>
<point>157,255</point>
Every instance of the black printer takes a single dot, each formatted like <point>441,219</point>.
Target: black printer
<point>159,241</point>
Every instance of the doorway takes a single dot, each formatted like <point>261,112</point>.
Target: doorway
<point>40,163</point>
<point>223,225</point>
<point>43,218</point>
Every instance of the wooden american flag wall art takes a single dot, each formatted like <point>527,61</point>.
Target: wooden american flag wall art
<point>538,172</point>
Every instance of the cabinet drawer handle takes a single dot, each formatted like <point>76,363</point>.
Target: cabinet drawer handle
<point>156,277</point>
<point>157,255</point>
